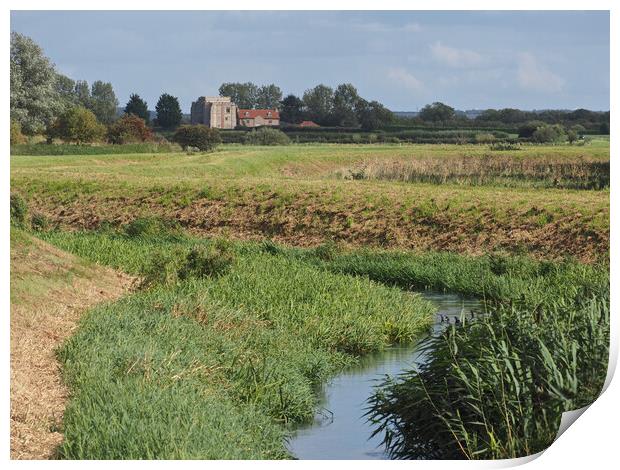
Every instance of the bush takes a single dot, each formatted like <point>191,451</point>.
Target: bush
<point>19,210</point>
<point>199,136</point>
<point>210,261</point>
<point>151,227</point>
<point>266,136</point>
<point>168,267</point>
<point>485,138</point>
<point>16,133</point>
<point>527,130</point>
<point>39,222</point>
<point>129,129</point>
<point>77,125</point>
<point>502,146</point>
<point>547,133</point>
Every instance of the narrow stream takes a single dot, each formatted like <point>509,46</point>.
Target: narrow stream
<point>339,430</point>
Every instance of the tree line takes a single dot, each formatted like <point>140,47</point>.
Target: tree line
<point>339,107</point>
<point>441,114</point>
<point>44,101</point>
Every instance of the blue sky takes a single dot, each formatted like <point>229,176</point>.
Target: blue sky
<point>489,59</point>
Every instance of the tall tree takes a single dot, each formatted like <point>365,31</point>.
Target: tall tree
<point>242,94</point>
<point>373,115</point>
<point>138,107</point>
<point>319,103</point>
<point>437,112</point>
<point>292,109</point>
<point>169,113</point>
<point>268,97</point>
<point>35,100</point>
<point>103,102</point>
<point>82,93</point>
<point>65,87</point>
<point>346,100</point>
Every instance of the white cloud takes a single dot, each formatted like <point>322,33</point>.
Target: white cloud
<point>405,79</point>
<point>454,57</point>
<point>533,75</point>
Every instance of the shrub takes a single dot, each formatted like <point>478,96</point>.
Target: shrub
<point>266,136</point>
<point>527,130</point>
<point>19,210</point>
<point>210,261</point>
<point>485,138</point>
<point>547,133</point>
<point>77,125</point>
<point>199,136</point>
<point>167,267</point>
<point>152,227</point>
<point>39,222</point>
<point>16,133</point>
<point>502,146</point>
<point>129,129</point>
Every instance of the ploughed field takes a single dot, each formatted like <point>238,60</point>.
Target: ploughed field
<point>547,201</point>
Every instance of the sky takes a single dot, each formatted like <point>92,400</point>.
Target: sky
<point>406,59</point>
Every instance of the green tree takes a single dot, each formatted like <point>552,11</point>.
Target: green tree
<point>169,113</point>
<point>65,87</point>
<point>319,103</point>
<point>268,97</point>
<point>346,101</point>
<point>437,112</point>
<point>138,107</point>
<point>373,115</point>
<point>82,94</point>
<point>77,125</point>
<point>198,136</point>
<point>16,133</point>
<point>103,101</point>
<point>526,131</point>
<point>243,95</point>
<point>292,109</point>
<point>35,100</point>
<point>129,129</point>
<point>549,133</point>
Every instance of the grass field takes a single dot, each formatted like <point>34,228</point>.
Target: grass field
<point>265,271</point>
<point>293,195</point>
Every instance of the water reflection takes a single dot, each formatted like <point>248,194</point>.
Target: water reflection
<point>339,430</point>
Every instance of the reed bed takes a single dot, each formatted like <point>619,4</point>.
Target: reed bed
<point>496,388</point>
<point>486,169</point>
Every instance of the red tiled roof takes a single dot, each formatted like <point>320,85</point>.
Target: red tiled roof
<point>308,124</point>
<point>253,113</point>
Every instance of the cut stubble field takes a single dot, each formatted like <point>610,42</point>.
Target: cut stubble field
<point>297,195</point>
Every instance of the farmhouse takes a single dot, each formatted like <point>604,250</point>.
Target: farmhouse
<point>214,111</point>
<point>258,117</point>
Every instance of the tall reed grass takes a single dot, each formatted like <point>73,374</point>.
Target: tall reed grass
<point>496,388</point>
<point>501,170</point>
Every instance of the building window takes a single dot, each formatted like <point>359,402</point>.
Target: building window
<point>228,110</point>
<point>270,121</point>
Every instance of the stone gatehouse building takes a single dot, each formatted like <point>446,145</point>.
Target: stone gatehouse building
<point>214,111</point>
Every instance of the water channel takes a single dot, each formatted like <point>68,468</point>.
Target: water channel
<point>339,430</point>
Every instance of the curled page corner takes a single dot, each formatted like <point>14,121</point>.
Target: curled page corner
<point>568,418</point>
